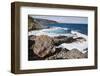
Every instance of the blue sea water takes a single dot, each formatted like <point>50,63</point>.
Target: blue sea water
<point>58,31</point>
<point>82,28</point>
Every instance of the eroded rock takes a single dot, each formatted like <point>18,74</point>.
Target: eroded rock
<point>68,54</point>
<point>43,46</point>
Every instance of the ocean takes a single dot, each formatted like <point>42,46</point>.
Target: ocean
<point>82,28</point>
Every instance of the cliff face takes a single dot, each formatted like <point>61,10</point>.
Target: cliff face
<point>33,24</point>
<point>45,22</point>
<point>36,24</point>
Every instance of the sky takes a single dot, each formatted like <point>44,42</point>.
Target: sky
<point>64,19</point>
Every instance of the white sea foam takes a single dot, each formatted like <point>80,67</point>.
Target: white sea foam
<point>77,45</point>
<point>78,34</point>
<point>52,32</point>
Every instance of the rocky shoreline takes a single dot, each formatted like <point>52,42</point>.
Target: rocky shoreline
<point>44,47</point>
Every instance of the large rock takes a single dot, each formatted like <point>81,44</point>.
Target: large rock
<point>75,54</point>
<point>68,54</point>
<point>43,46</point>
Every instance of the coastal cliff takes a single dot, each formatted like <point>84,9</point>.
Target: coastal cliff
<point>37,24</point>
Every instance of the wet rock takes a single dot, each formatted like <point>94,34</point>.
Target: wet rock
<point>63,39</point>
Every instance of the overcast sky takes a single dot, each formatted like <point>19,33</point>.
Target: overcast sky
<point>64,19</point>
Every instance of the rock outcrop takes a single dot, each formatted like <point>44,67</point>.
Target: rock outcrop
<point>66,54</point>
<point>63,39</point>
<point>43,46</point>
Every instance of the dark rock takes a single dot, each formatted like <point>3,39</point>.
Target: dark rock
<point>33,56</point>
<point>32,37</point>
<point>80,38</point>
<point>60,37</point>
<point>63,39</point>
<point>86,54</point>
<point>31,41</point>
